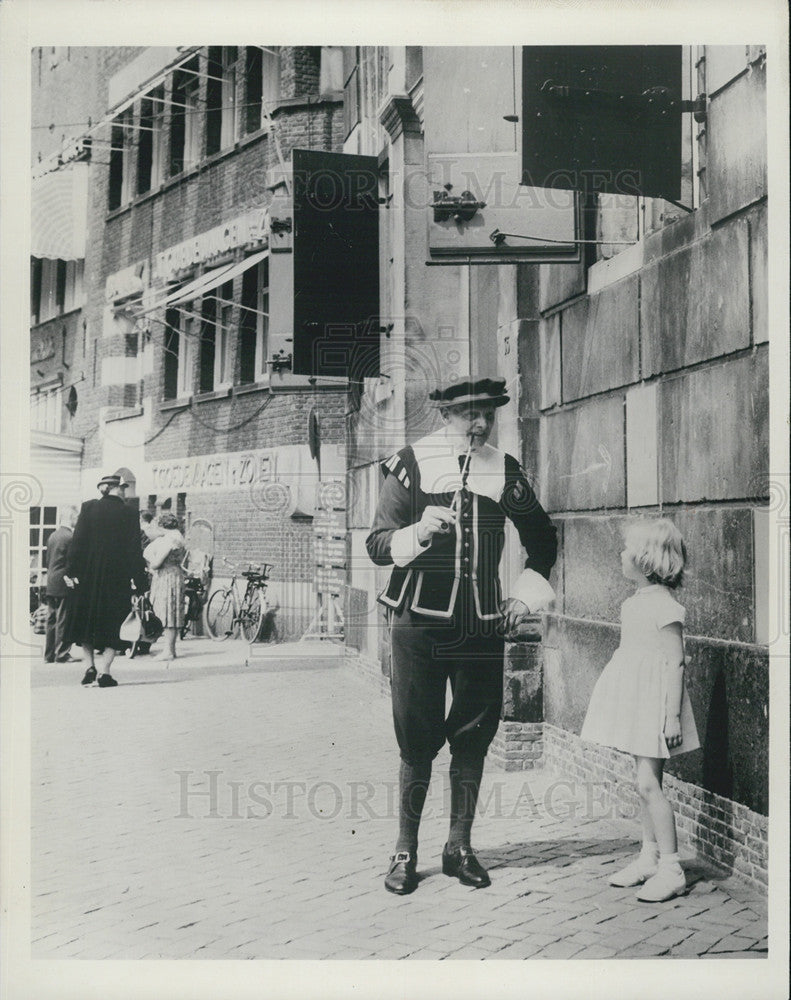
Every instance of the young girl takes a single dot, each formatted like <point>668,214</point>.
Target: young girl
<point>639,704</point>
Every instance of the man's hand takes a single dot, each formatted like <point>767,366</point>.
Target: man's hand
<point>514,612</point>
<point>673,735</point>
<point>71,581</point>
<point>435,521</point>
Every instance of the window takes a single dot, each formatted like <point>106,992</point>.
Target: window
<point>43,521</point>
<point>216,371</point>
<point>623,218</point>
<point>56,287</point>
<point>74,294</point>
<point>254,324</point>
<point>36,265</point>
<point>351,90</point>
<point>223,370</point>
<point>120,192</point>
<point>262,85</point>
<point>185,123</point>
<point>179,354</point>
<point>150,143</point>
<point>186,354</point>
<point>46,410</point>
<point>221,98</point>
<point>49,278</point>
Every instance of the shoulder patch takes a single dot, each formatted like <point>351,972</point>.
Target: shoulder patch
<point>395,466</point>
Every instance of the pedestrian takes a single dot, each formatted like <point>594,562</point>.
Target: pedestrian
<point>440,524</point>
<point>103,562</point>
<point>640,704</point>
<point>57,648</point>
<point>164,555</point>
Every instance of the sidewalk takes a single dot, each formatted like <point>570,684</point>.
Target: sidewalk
<point>217,810</point>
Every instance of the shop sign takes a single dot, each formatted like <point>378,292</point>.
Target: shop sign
<point>248,231</point>
<point>213,473</point>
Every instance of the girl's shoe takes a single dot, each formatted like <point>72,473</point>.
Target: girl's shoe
<point>641,869</point>
<point>668,882</point>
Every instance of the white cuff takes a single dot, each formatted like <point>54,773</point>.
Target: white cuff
<point>404,545</point>
<point>533,590</point>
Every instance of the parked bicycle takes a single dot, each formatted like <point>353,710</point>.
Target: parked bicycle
<point>226,615</point>
<point>197,566</point>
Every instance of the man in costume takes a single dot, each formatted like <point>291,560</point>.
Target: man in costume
<point>104,560</point>
<point>440,523</point>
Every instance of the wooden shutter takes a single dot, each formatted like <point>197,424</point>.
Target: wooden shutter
<point>588,125</point>
<point>336,264</point>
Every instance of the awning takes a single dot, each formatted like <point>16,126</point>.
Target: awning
<point>208,281</point>
<point>59,213</point>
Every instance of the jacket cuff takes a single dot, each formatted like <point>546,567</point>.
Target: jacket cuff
<point>404,545</point>
<point>533,590</point>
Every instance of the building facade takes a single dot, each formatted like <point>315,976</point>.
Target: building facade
<point>183,344</point>
<point>637,370</point>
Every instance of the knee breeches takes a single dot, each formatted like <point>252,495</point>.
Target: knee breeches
<point>424,659</point>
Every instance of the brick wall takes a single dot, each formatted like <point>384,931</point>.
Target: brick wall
<point>716,828</point>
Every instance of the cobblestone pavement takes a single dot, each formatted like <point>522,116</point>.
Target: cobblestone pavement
<point>217,810</point>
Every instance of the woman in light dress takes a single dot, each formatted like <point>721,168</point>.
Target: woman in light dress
<point>164,556</point>
<point>640,705</point>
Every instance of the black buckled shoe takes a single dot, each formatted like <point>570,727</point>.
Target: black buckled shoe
<point>90,676</point>
<point>106,681</point>
<point>462,864</point>
<point>401,876</point>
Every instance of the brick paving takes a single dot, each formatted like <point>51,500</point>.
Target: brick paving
<point>224,810</point>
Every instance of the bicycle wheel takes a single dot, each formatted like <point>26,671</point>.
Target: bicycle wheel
<point>251,617</point>
<point>218,615</point>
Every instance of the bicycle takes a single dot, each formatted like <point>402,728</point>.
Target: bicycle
<point>224,614</point>
<point>194,602</point>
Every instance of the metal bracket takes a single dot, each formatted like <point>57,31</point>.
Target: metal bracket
<point>279,361</point>
<point>461,207</point>
<point>653,102</point>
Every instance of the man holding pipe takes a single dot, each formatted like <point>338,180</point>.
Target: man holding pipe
<point>440,523</point>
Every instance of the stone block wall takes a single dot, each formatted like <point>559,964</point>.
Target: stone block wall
<point>653,400</point>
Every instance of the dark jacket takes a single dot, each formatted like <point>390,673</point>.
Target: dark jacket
<point>104,556</point>
<point>58,546</point>
<point>467,558</point>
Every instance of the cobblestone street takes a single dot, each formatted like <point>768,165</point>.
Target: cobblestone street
<point>223,811</point>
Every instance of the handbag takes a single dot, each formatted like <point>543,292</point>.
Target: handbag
<point>151,627</point>
<point>157,551</point>
<point>130,629</point>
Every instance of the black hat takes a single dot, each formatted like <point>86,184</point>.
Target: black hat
<point>112,480</point>
<point>486,392</point>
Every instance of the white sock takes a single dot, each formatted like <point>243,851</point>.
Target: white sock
<point>650,852</point>
<point>670,860</point>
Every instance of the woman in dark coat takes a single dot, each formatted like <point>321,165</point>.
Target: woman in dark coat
<point>104,558</point>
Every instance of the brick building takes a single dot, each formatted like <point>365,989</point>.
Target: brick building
<point>637,366</point>
<point>184,339</point>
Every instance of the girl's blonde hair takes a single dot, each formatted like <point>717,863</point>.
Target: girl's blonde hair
<point>657,549</point>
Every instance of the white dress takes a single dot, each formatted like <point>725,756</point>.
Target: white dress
<point>627,707</point>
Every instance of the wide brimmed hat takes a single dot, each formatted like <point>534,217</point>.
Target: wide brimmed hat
<point>112,480</point>
<point>484,392</point>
